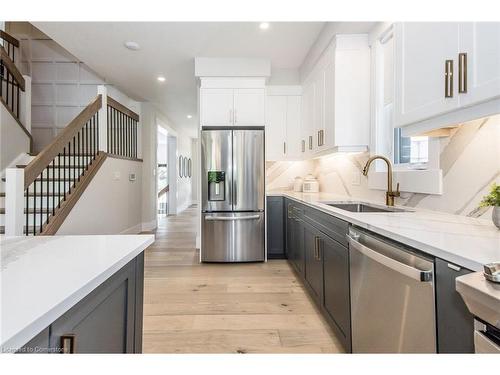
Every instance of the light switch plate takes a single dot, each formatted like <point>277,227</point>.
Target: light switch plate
<point>116,176</point>
<point>132,177</point>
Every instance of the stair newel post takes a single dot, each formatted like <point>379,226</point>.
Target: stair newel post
<point>14,202</point>
<point>25,104</point>
<point>102,122</point>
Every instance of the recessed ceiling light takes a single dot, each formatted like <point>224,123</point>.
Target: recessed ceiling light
<point>189,116</point>
<point>134,46</point>
<point>161,78</point>
<point>264,25</point>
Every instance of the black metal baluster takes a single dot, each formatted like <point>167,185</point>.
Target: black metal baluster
<point>53,187</point>
<point>27,211</point>
<point>87,151</point>
<point>59,180</point>
<point>48,196</point>
<point>7,89</point>
<point>120,130</point>
<point>72,161</point>
<point>34,207</point>
<point>78,156</point>
<point>97,134</point>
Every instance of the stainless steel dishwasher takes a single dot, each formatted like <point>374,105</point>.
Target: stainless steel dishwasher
<point>392,297</point>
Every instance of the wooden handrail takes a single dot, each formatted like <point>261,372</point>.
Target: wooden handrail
<point>165,190</point>
<point>40,162</point>
<point>9,38</point>
<point>12,68</point>
<point>120,107</point>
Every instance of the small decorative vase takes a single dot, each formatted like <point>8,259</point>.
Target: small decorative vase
<point>495,216</point>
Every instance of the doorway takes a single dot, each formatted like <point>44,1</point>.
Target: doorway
<point>162,185</point>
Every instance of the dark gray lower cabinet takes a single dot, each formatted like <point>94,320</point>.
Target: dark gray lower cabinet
<point>295,237</point>
<point>455,324</point>
<point>275,228</point>
<point>336,288</point>
<point>322,262</point>
<point>108,320</point>
<point>314,261</point>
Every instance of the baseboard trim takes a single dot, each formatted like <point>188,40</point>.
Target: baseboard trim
<point>148,226</point>
<point>133,230</point>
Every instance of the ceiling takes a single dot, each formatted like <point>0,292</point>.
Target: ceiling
<point>169,49</point>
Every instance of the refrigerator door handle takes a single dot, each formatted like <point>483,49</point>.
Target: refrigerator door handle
<point>231,218</point>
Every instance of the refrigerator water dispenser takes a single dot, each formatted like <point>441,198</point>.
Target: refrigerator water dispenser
<point>216,186</point>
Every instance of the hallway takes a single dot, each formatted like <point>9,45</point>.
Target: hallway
<point>220,308</point>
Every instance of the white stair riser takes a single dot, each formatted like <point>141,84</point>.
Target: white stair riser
<point>41,202</point>
<point>59,173</point>
<point>72,160</point>
<point>55,186</point>
<point>30,219</point>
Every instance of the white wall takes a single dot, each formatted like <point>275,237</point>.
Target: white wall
<point>111,203</point>
<point>184,184</point>
<point>13,140</point>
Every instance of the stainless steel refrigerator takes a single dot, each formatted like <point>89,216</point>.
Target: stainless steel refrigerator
<point>232,198</point>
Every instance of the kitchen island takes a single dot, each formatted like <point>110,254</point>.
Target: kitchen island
<point>59,293</point>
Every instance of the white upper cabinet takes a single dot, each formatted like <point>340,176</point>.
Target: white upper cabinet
<point>276,127</point>
<point>232,102</point>
<point>422,49</point>
<point>216,107</point>
<point>336,98</point>
<point>249,107</point>
<point>283,120</point>
<point>480,41</point>
<point>293,145</point>
<point>443,67</point>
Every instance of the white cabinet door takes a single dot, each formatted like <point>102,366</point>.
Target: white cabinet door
<point>481,42</point>
<point>307,130</point>
<point>319,110</point>
<point>216,107</point>
<point>293,129</point>
<point>276,113</point>
<point>421,53</point>
<point>249,107</point>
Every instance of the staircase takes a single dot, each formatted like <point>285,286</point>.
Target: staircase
<point>47,193</point>
<point>54,180</point>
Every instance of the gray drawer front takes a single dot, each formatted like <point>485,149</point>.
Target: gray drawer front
<point>331,226</point>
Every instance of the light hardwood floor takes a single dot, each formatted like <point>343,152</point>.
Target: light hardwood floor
<point>224,308</point>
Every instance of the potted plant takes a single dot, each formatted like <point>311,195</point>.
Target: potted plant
<point>493,199</point>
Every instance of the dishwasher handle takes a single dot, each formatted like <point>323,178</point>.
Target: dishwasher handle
<point>391,263</point>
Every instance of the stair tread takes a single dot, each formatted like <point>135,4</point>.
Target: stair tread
<point>31,211</point>
<point>62,165</point>
<point>2,195</point>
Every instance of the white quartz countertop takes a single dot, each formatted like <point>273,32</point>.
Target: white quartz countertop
<point>461,240</point>
<point>481,296</point>
<point>43,277</point>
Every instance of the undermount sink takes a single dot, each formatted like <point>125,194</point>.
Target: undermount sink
<point>363,207</point>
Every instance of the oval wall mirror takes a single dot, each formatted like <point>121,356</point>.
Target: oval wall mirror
<point>185,162</point>
<point>181,169</point>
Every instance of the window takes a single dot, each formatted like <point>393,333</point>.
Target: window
<point>410,150</point>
